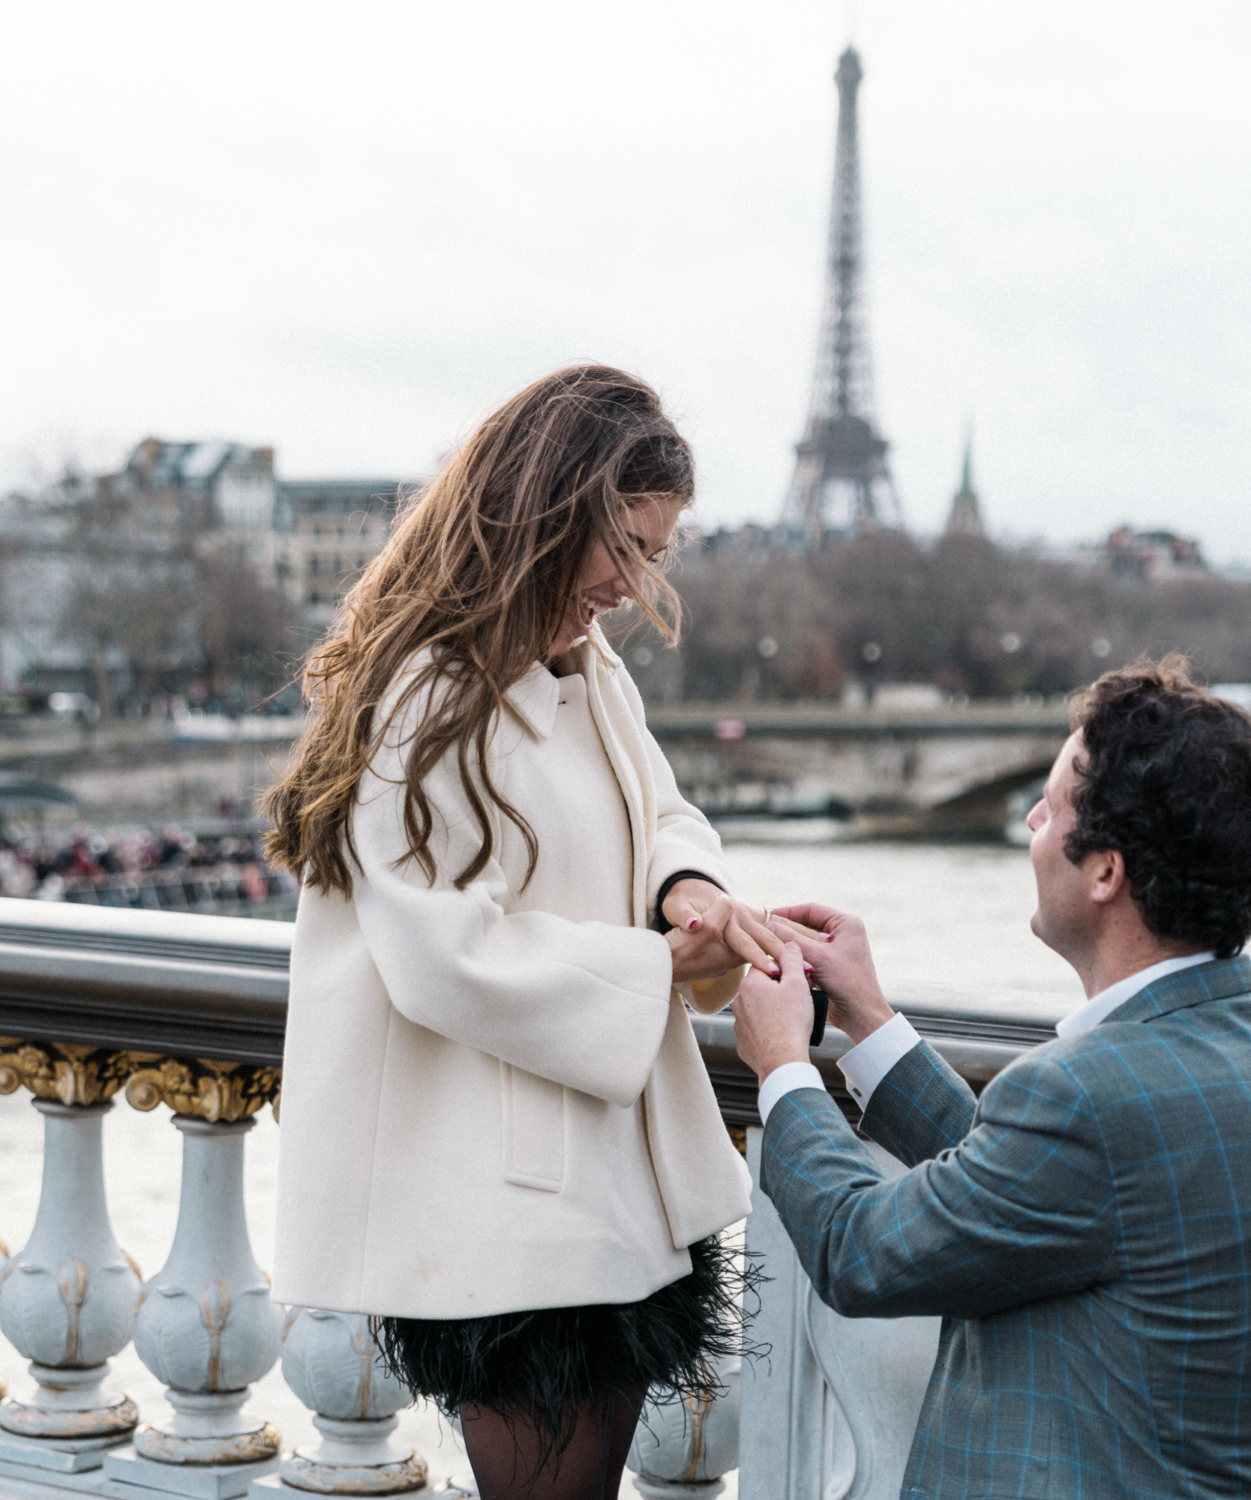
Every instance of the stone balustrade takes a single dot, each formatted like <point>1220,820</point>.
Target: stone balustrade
<point>189,1011</point>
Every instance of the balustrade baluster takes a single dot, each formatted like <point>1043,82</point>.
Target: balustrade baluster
<point>207,1328</point>
<point>330,1361</point>
<point>682,1449</point>
<point>68,1298</point>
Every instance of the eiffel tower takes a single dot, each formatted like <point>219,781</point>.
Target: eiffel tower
<point>842,482</point>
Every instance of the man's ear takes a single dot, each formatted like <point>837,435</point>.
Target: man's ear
<point>1107,875</point>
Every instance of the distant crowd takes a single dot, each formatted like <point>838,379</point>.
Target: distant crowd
<point>168,868</point>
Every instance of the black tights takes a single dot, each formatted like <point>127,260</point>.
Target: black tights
<point>510,1463</point>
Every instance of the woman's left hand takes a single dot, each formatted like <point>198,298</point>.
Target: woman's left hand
<point>698,906</point>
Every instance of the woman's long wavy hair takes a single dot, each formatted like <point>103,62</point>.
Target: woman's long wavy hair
<point>482,567</point>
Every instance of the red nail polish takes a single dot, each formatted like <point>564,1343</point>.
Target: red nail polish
<point>692,924</point>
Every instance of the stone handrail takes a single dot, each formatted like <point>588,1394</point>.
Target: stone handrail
<point>192,987</point>
<point>978,1030</point>
<point>190,1011</point>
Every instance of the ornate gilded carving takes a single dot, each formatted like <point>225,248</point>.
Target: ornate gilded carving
<point>209,1090</point>
<point>68,1073</point>
<point>75,1074</point>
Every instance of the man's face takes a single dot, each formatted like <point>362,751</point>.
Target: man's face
<point>1064,912</point>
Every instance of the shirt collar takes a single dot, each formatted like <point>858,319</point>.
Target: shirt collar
<point>1100,1006</point>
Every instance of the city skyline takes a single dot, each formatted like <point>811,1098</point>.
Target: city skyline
<point>351,243</point>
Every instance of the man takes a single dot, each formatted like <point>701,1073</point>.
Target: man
<point>1083,1228</point>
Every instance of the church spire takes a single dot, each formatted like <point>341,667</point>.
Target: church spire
<point>965,517</point>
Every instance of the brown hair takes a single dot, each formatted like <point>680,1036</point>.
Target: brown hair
<point>1165,777</point>
<point>482,566</point>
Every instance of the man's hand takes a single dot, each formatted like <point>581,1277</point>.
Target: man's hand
<point>711,929</point>
<point>773,1017</point>
<point>842,965</point>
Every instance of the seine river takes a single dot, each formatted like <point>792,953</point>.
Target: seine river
<point>949,913</point>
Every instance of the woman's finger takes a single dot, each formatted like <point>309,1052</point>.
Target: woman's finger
<point>769,938</point>
<point>748,949</point>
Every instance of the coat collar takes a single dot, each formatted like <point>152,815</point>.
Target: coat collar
<point>535,696</point>
<point>1222,979</point>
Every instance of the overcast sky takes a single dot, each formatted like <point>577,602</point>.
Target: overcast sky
<point>348,230</point>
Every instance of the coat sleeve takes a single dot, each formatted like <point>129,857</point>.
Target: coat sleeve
<point>1023,1208</point>
<point>920,1108</point>
<point>583,1004</point>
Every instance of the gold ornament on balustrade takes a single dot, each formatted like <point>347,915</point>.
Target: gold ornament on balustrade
<point>214,1091</point>
<point>69,1073</point>
<point>74,1074</point>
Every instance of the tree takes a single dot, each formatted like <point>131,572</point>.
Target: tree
<point>972,617</point>
<point>245,631</point>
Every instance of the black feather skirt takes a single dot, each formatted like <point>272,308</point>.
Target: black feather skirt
<point>540,1366</point>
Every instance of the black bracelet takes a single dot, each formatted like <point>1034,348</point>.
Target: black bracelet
<point>662,923</point>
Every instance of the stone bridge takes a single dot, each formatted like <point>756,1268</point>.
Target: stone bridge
<point>944,772</point>
<point>948,771</point>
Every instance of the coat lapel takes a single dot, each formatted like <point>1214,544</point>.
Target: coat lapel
<point>678,1100</point>
<point>600,665</point>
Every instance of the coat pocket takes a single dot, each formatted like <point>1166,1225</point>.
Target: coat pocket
<point>533,1113</point>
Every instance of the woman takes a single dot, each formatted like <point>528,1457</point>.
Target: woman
<point>497,1132</point>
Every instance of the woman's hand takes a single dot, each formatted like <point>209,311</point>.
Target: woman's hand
<point>837,947</point>
<point>711,927</point>
<point>700,955</point>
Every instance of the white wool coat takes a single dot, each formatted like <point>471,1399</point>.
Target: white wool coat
<point>489,1102</point>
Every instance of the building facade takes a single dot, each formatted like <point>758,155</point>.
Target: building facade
<point>98,570</point>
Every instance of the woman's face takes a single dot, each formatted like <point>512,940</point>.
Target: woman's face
<point>602,585</point>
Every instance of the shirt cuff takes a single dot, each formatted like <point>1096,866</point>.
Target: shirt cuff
<point>871,1060</point>
<point>785,1080</point>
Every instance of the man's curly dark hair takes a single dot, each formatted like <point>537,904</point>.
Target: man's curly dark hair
<point>1165,777</point>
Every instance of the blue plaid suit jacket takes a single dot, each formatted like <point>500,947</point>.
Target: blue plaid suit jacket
<point>1083,1232</point>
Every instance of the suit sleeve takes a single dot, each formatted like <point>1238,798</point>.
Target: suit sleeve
<point>920,1108</point>
<point>583,1004</point>
<point>1022,1208</point>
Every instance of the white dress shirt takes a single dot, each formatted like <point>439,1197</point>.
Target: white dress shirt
<point>871,1060</point>
<point>1106,1001</point>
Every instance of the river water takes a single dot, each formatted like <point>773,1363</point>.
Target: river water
<point>948,913</point>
